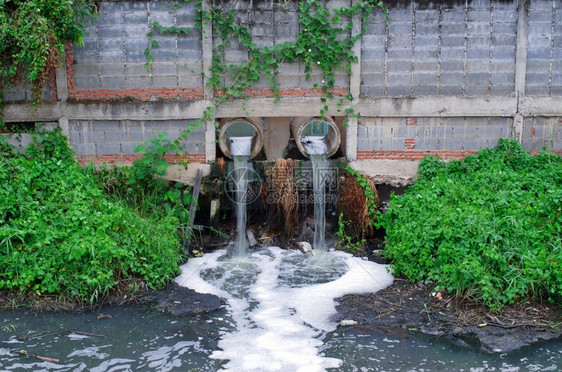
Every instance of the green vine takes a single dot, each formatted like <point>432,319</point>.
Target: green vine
<point>325,41</point>
<point>33,34</point>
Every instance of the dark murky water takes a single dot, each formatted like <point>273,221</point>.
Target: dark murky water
<point>276,318</point>
<point>137,339</point>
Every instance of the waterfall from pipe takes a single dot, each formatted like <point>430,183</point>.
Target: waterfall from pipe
<point>241,148</point>
<point>317,150</point>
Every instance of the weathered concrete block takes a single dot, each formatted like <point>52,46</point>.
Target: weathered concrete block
<point>490,132</point>
<point>450,90</point>
<point>137,82</point>
<point>507,29</point>
<point>537,78</point>
<point>110,18</point>
<point>107,125</point>
<point>165,17</point>
<point>86,70</point>
<point>502,90</point>
<point>503,78</point>
<point>406,132</point>
<point>502,66</point>
<point>452,66</point>
<point>477,78</point>
<point>377,54</point>
<point>476,90</point>
<point>425,55</point>
<point>111,69</point>
<point>109,35</point>
<point>373,79</point>
<point>479,16</point>
<point>190,43</point>
<point>479,28</point>
<point>113,82</point>
<point>74,138</point>
<point>424,90</point>
<point>84,148</point>
<point>426,41</point>
<point>425,78</point>
<point>536,90</point>
<point>99,136</point>
<point>504,53</point>
<point>87,82</point>
<point>398,91</point>
<point>478,41</point>
<point>400,41</point>
<point>164,68</point>
<point>479,54</point>
<point>108,148</point>
<point>111,56</point>
<point>128,148</point>
<point>363,144</point>
<point>132,32</point>
<point>395,79</point>
<point>401,28</point>
<point>449,54</point>
<point>372,91</point>
<point>137,18</point>
<point>475,144</point>
<point>392,144</point>
<point>448,78</point>
<point>450,144</point>
<point>165,82</point>
<point>134,6</point>
<point>86,57</point>
<point>452,29</point>
<point>426,143</point>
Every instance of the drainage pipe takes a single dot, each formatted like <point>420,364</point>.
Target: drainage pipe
<point>240,127</point>
<point>308,131</point>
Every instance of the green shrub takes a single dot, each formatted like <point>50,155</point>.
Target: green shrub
<point>489,227</point>
<point>59,232</point>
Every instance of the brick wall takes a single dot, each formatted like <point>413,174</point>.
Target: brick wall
<point>112,62</point>
<point>114,141</point>
<point>413,138</point>
<point>464,53</point>
<point>544,59</point>
<point>441,49</point>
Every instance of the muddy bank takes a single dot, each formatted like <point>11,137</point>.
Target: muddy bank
<point>180,301</point>
<point>415,308</point>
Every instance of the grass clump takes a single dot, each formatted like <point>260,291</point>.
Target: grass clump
<point>60,233</point>
<point>488,227</point>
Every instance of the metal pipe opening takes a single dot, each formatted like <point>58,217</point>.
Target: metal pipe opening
<point>241,136</point>
<point>314,135</point>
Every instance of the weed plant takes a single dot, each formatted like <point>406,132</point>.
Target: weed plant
<point>488,227</point>
<point>61,233</point>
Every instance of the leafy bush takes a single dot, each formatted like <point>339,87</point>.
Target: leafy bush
<point>33,34</point>
<point>59,232</point>
<point>489,227</point>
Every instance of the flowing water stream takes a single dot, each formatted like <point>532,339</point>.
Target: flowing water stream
<point>277,317</point>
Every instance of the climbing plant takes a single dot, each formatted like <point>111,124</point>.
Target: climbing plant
<point>33,34</point>
<point>325,41</point>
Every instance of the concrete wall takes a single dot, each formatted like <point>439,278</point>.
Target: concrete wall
<point>444,77</point>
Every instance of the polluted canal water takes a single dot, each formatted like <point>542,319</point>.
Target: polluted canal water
<point>280,303</point>
<point>279,314</point>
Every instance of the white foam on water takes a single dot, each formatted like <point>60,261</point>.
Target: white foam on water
<point>241,146</point>
<point>314,145</point>
<point>279,326</point>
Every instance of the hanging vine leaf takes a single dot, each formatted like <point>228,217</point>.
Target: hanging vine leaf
<point>33,34</point>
